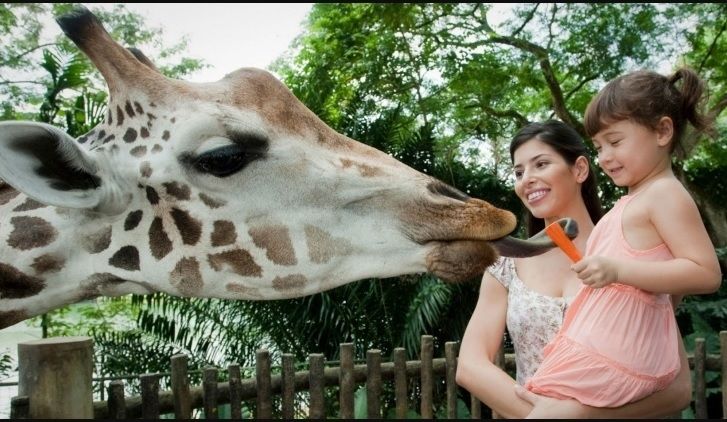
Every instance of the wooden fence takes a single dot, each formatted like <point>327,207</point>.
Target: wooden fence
<point>183,398</point>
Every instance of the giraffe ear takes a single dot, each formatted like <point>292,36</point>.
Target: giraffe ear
<point>47,165</point>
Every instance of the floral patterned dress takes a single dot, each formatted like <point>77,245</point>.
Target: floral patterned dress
<point>533,319</point>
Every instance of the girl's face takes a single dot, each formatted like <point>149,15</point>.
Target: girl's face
<point>544,181</point>
<point>629,153</point>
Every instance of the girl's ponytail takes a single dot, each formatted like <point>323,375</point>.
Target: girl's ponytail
<point>692,94</point>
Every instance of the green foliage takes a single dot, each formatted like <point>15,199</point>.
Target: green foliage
<point>6,364</point>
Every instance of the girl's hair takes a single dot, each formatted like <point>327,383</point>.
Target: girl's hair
<point>645,97</point>
<point>569,145</point>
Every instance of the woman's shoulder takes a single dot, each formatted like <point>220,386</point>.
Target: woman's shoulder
<point>503,269</point>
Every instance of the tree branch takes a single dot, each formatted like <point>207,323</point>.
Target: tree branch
<point>25,53</point>
<point>527,20</point>
<point>711,47</point>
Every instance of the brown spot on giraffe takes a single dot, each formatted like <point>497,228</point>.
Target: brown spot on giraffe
<point>165,135</point>
<point>244,290</point>
<point>133,220</point>
<point>178,190</point>
<point>276,242</point>
<point>144,132</point>
<point>156,149</point>
<point>31,232</point>
<point>126,258</point>
<point>159,242</point>
<point>189,227</point>
<point>130,135</point>
<point>238,261</point>
<point>186,277</point>
<point>29,204</point>
<point>145,169</point>
<point>109,138</point>
<point>47,264</point>
<point>8,318</point>
<point>364,169</point>
<point>138,151</point>
<point>14,284</point>
<point>7,193</point>
<point>211,202</point>
<point>290,282</point>
<point>119,116</point>
<point>322,246</point>
<point>129,109</point>
<point>224,233</point>
<point>151,195</point>
<point>98,241</point>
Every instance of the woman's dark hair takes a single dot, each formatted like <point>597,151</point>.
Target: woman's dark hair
<point>645,97</point>
<point>569,145</point>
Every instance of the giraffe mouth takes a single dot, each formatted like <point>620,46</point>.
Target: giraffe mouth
<point>461,260</point>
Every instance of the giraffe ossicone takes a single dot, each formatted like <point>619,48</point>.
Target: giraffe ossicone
<point>230,189</point>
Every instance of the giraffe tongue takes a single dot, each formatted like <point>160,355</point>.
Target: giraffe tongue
<point>536,245</point>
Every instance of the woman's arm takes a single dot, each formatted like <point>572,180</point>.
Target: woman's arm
<point>476,370</point>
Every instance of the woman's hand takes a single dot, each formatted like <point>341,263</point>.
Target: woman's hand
<point>596,271</point>
<point>550,408</point>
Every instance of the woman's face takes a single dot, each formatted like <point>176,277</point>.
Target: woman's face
<point>544,181</point>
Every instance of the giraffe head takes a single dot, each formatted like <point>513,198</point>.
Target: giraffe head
<point>231,189</point>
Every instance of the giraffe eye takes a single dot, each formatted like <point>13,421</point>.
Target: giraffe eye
<point>225,161</point>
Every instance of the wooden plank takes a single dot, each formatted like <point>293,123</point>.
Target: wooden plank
<point>427,377</point>
<point>450,356</point>
<point>317,384</point>
<point>346,382</point>
<point>400,382</point>
<point>19,407</point>
<point>116,401</point>
<point>209,386</point>
<point>264,390</point>
<point>288,386</point>
<point>475,407</point>
<point>149,396</point>
<point>233,371</point>
<point>700,386</point>
<point>180,387</point>
<point>373,384</point>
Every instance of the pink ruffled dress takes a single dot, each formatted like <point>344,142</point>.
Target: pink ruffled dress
<point>618,343</point>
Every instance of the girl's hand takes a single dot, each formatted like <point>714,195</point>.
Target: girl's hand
<point>550,408</point>
<point>596,271</point>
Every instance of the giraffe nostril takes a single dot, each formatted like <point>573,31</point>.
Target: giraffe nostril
<point>440,188</point>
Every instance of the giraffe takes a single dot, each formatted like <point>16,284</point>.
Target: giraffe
<point>230,189</point>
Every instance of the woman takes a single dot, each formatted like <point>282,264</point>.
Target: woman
<point>554,179</point>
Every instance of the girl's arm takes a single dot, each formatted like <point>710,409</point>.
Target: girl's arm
<point>694,269</point>
<point>476,370</point>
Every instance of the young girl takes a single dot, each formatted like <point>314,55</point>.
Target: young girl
<point>618,342</point>
<point>527,296</point>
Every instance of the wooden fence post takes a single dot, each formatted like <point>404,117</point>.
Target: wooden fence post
<point>117,402</point>
<point>55,373</point>
<point>346,381</point>
<point>400,382</point>
<point>450,354</point>
<point>288,387</point>
<point>373,384</point>
<point>149,396</point>
<point>317,383</point>
<point>264,385</point>
<point>427,377</point>
<point>210,392</point>
<point>235,381</point>
<point>180,387</point>
<point>700,390</point>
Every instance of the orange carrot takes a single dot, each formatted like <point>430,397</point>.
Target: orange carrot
<point>556,233</point>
